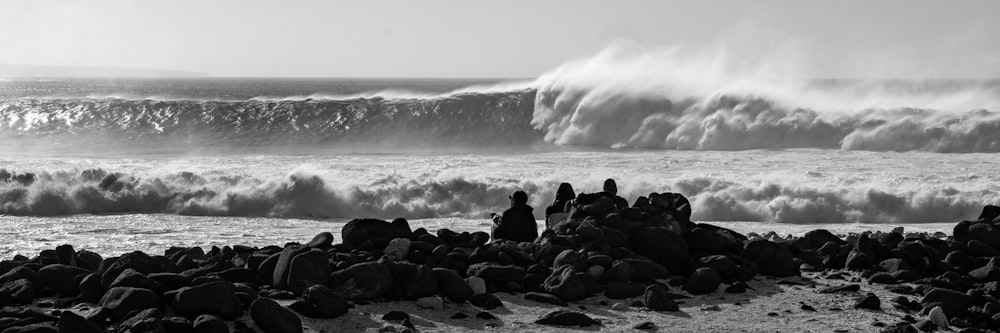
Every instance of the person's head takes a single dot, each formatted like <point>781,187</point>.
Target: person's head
<point>519,197</point>
<point>565,192</point>
<point>610,186</point>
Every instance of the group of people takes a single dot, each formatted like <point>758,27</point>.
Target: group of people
<point>518,222</point>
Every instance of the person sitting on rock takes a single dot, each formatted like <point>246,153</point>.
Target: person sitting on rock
<point>559,210</point>
<point>516,223</point>
<point>611,190</point>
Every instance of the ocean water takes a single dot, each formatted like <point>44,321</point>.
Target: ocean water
<point>121,165</point>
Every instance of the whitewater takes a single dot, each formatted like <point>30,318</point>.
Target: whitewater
<point>116,165</point>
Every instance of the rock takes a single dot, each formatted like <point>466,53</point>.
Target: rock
<point>704,280</point>
<point>122,300</point>
<point>545,298</point>
<point>453,286</point>
<point>497,273</point>
<point>565,284</point>
<point>412,281</point>
<point>367,280</point>
<point>857,260</point>
<point>132,278</point>
<point>70,322</point>
<point>708,241</point>
<point>430,302</point>
<point>170,281</point>
<point>567,318</point>
<point>727,268</point>
<point>937,316</point>
<point>900,328</point>
<point>216,298</point>
<point>882,278</point>
<point>738,287</point>
<point>20,291</point>
<point>148,320</point>
<point>265,272</point>
<point>33,328</point>
<point>61,278</point>
<point>840,289</point>
<point>279,278</point>
<point>620,271</point>
<point>90,288</point>
<point>988,273</point>
<point>646,270</point>
<point>328,303</point>
<point>396,316</point>
<point>926,326</point>
<point>486,301</point>
<point>663,247</point>
<point>893,265</point>
<point>459,315</point>
<point>619,307</point>
<point>271,317</point>
<point>304,308</point>
<point>485,315</point>
<point>307,269</point>
<point>980,249</point>
<point>817,238</point>
<point>619,290</point>
<point>322,240</point>
<point>210,324</point>
<point>477,284</point>
<point>397,248</point>
<point>657,299</point>
<point>138,261</point>
<point>870,302</point>
<point>952,302</point>
<point>771,258</point>
<point>646,325</point>
<point>374,235</point>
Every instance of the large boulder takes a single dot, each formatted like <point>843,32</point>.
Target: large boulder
<point>565,284</point>
<point>704,280</point>
<point>61,278</point>
<point>622,290</point>
<point>374,235</point>
<point>498,274</point>
<point>271,317</point>
<point>952,302</point>
<point>279,278</point>
<point>307,269</point>
<point>657,298</point>
<point>726,267</point>
<point>122,300</point>
<point>328,303</point>
<point>20,291</point>
<point>453,286</point>
<point>367,280</point>
<point>664,247</point>
<point>646,270</point>
<point>708,241</point>
<point>412,281</point>
<point>217,298</point>
<point>771,258</point>
<point>138,261</point>
<point>620,271</point>
<point>817,238</point>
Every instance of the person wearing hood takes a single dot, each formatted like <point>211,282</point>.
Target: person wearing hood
<point>516,223</point>
<point>559,210</point>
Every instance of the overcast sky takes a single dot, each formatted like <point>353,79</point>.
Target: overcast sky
<point>498,38</point>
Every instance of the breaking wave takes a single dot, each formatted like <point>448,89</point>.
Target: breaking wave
<point>301,194</point>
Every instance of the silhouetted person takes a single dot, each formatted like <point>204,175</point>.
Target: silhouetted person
<point>611,189</point>
<point>559,210</point>
<point>516,223</point>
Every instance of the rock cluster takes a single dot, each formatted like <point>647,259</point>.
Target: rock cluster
<point>639,253</point>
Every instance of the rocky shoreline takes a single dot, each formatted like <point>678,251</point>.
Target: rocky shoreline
<point>648,257</point>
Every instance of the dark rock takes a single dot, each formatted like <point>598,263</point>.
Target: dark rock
<point>61,278</point>
<point>279,279</point>
<point>565,284</point>
<point>368,280</point>
<point>328,303</point>
<point>210,324</point>
<point>497,273</point>
<point>771,258</point>
<point>952,302</point>
<point>646,325</point>
<point>620,290</point>
<point>988,273</point>
<point>137,261</point>
<point>170,281</point>
<point>307,269</point>
<point>90,288</point>
<point>412,281</point>
<point>870,302</point>
<point>980,249</point>
<point>857,260</point>
<point>486,301</point>
<point>216,298</point>
<point>657,299</point>
<point>134,279</point>
<point>19,272</point>
<point>20,291</point>
<point>243,275</point>
<point>738,287</point>
<point>882,278</point>
<point>459,315</point>
<point>704,280</point>
<point>900,328</point>
<point>620,271</point>
<point>485,315</point>
<point>322,240</point>
<point>70,322</point>
<point>926,326</point>
<point>452,285</point>
<point>265,272</point>
<point>646,270</point>
<point>148,320</point>
<point>893,264</point>
<point>374,235</point>
<point>271,317</point>
<point>727,268</point>
<point>395,316</point>
<point>303,308</point>
<point>708,241</point>
<point>122,300</point>
<point>663,247</point>
<point>567,318</point>
<point>545,298</point>
<point>33,328</point>
<point>817,238</point>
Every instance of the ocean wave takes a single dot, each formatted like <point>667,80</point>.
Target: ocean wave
<point>303,194</point>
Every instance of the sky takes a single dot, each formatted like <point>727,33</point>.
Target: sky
<point>500,38</point>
